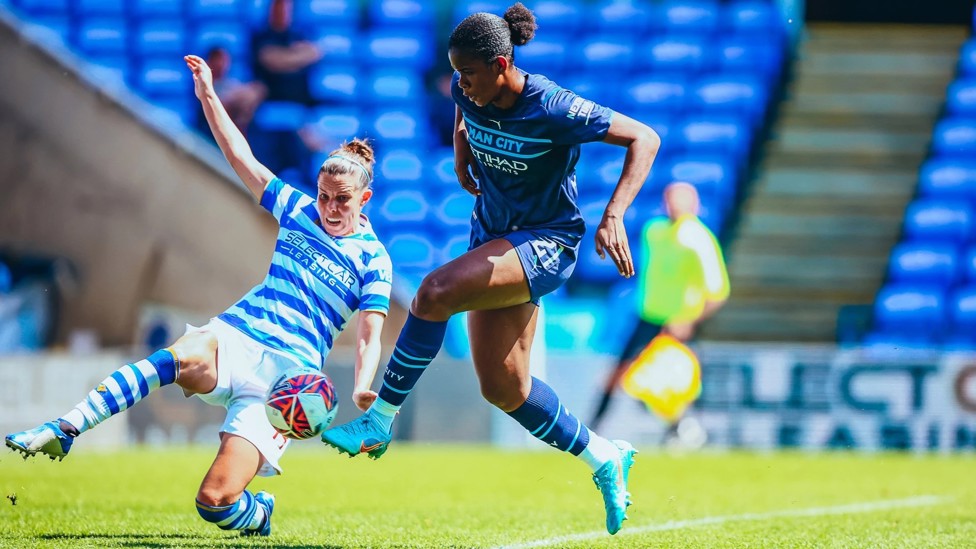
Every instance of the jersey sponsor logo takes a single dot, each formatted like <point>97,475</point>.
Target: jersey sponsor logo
<point>500,162</point>
<point>297,247</point>
<point>580,108</point>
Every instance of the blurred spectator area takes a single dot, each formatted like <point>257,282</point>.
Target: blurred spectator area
<point>30,296</point>
<point>702,73</point>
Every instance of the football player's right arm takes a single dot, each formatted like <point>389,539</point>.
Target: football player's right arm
<point>230,140</point>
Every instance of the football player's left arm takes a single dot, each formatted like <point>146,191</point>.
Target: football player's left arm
<point>642,144</point>
<point>368,351</point>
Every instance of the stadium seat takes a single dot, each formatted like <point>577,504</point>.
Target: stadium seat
<point>962,311</point>
<point>726,135</point>
<point>590,86</point>
<point>388,85</point>
<point>113,8</point>
<point>402,168</point>
<point>455,247</point>
<point>698,17</point>
<point>36,8</point>
<point>412,251</point>
<point>735,94</point>
<point>749,54</point>
<point>961,97</point>
<point>666,54</point>
<point>332,83</point>
<point>339,46</point>
<point>280,116</point>
<point>404,206</point>
<point>622,19</point>
<point>713,175</point>
<point>102,36</point>
<point>163,77</point>
<point>927,262</point>
<point>564,16</point>
<point>118,65</point>
<point>149,9</point>
<point>930,219</point>
<point>465,8</point>
<point>754,17</point>
<point>336,124</point>
<point>967,267</point>
<point>660,93</point>
<point>605,53</point>
<point>955,136</point>
<point>335,14</point>
<point>454,210</point>
<point>948,177</point>
<point>54,29</point>
<point>399,48</point>
<point>441,164</point>
<point>211,10</point>
<point>401,14</point>
<point>230,35</point>
<point>902,308</point>
<point>160,37</point>
<point>544,54</point>
<point>400,126</point>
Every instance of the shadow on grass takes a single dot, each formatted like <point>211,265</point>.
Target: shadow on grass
<point>181,540</point>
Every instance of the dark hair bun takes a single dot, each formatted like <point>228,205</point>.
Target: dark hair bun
<point>521,22</point>
<point>360,148</point>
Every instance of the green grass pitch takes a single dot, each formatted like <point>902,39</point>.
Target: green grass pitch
<point>473,496</point>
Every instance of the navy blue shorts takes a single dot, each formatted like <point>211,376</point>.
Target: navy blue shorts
<point>547,263</point>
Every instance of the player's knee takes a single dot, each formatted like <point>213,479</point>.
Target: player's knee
<point>504,396</point>
<point>213,497</point>
<point>434,297</point>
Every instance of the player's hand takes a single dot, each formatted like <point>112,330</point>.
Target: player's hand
<point>682,331</point>
<point>364,399</point>
<point>464,166</point>
<point>202,77</point>
<point>611,239</point>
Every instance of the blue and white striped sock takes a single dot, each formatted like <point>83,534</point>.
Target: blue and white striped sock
<point>244,514</point>
<point>126,386</point>
<point>549,421</point>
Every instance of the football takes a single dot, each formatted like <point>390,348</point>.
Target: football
<point>301,404</point>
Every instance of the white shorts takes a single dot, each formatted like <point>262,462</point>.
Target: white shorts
<point>245,371</point>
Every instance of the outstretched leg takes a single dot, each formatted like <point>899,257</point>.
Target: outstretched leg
<point>223,498</point>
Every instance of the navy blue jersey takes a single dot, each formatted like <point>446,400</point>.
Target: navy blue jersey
<point>526,158</point>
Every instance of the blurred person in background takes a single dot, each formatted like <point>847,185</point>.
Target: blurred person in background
<point>327,265</point>
<point>240,99</point>
<point>684,281</point>
<point>283,56</point>
<point>517,138</point>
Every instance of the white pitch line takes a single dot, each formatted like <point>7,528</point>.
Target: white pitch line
<point>850,508</point>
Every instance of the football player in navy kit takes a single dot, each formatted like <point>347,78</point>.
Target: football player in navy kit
<point>516,142</point>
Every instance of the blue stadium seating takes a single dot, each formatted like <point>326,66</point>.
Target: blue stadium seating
<point>230,35</point>
<point>455,247</point>
<point>564,16</point>
<point>399,48</point>
<point>388,85</point>
<point>955,136</point>
<point>544,54</point>
<point>589,266</point>
<point>910,308</point>
<point>99,36</point>
<point>335,84</point>
<point>924,262</point>
<point>280,116</point>
<point>725,135</point>
<point>605,53</point>
<point>148,9</point>
<point>929,219</point>
<point>336,124</point>
<point>339,45</point>
<point>401,13</point>
<point>118,65</point>
<point>689,16</point>
<point>210,10</point>
<point>748,54</point>
<point>733,94</point>
<point>664,94</point>
<point>754,17</point>
<point>403,206</point>
<point>45,7</point>
<point>588,86</point>
<point>686,55</point>
<point>465,8</point>
<point>402,167</point>
<point>338,14</point>
<point>115,8</point>
<point>713,175</point>
<point>442,178</point>
<point>400,127</point>
<point>454,210</point>
<point>160,37</point>
<point>967,267</point>
<point>618,18</point>
<point>411,251</point>
<point>948,177</point>
<point>164,77</point>
<point>962,311</point>
<point>967,58</point>
<point>961,97</point>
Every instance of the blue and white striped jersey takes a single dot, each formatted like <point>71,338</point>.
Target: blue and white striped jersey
<point>315,283</point>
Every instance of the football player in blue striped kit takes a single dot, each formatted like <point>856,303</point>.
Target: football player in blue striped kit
<point>327,265</point>
<point>517,140</point>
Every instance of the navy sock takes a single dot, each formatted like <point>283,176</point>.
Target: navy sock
<point>417,345</point>
<point>549,421</point>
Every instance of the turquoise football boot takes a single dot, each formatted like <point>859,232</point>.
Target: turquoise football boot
<point>268,502</point>
<point>362,435</point>
<point>611,479</point>
<point>47,439</point>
